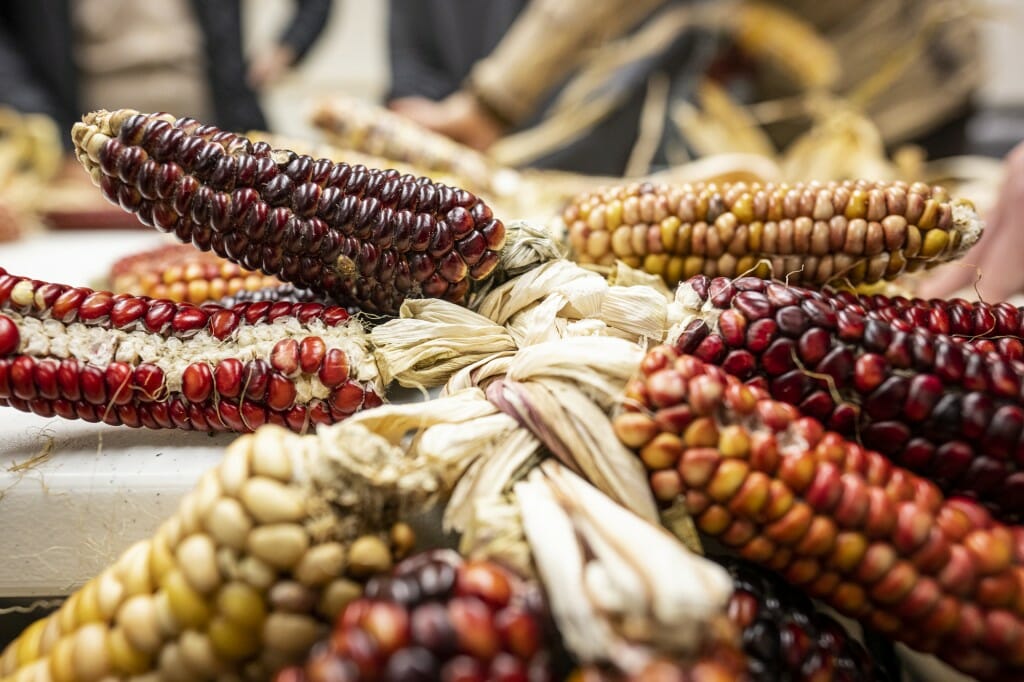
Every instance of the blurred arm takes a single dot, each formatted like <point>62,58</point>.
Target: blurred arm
<point>546,43</point>
<point>415,65</point>
<point>306,26</point>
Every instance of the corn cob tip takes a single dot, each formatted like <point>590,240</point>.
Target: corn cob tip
<point>968,223</point>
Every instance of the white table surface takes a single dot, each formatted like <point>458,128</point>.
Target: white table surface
<point>99,488</point>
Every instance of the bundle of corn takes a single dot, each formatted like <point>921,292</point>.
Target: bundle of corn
<point>122,359</point>
<point>273,543</point>
<point>856,232</point>
<point>944,408</point>
<point>180,272</point>
<point>870,539</point>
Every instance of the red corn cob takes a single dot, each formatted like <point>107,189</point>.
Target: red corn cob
<point>920,398</point>
<point>437,617</point>
<point>359,236</point>
<point>121,359</point>
<point>181,273</point>
<point>872,540</point>
<point>984,327</point>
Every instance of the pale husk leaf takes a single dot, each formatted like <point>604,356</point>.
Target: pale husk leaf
<point>582,289</point>
<point>490,478</point>
<point>619,587</point>
<point>433,339</point>
<point>578,432</point>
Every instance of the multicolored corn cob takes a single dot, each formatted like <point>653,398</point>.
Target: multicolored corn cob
<point>438,617</point>
<point>929,403</point>
<point>240,583</point>
<point>361,237</point>
<point>120,359</point>
<point>787,639</point>
<point>874,541</point>
<point>858,232</point>
<point>180,272</point>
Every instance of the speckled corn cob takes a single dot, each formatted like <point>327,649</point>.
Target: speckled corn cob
<point>872,540</point>
<point>858,232</point>
<point>359,236</point>
<point>237,585</point>
<point>121,359</point>
<point>438,617</point>
<point>931,404</point>
<point>180,272</point>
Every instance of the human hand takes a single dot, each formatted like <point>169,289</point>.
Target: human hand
<point>996,263</point>
<point>458,116</point>
<point>269,66</point>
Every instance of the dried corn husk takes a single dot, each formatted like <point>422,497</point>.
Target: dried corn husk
<point>613,601</point>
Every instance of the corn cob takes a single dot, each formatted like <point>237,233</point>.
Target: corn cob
<point>181,273</point>
<point>920,398</point>
<point>874,541</point>
<point>858,232</point>
<point>238,584</point>
<point>438,617</point>
<point>353,124</point>
<point>358,236</point>
<point>984,327</point>
<point>121,359</point>
<point>785,638</point>
<point>288,293</point>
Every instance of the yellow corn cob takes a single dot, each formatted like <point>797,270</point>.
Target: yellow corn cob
<point>854,232</point>
<point>259,559</point>
<point>180,272</point>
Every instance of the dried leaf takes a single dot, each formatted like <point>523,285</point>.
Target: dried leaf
<point>432,340</point>
<point>621,589</point>
<point>578,432</point>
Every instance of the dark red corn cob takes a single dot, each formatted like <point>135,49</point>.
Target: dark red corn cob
<point>872,540</point>
<point>985,327</point>
<point>437,617</point>
<point>287,293</point>
<point>787,639</point>
<point>81,354</point>
<point>359,236</point>
<point>922,399</point>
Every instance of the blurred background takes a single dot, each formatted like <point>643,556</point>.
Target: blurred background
<point>352,57</point>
